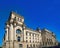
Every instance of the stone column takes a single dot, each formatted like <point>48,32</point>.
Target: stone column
<point>7,45</point>
<point>11,35</point>
<point>24,35</point>
<point>14,33</point>
<point>11,32</point>
<point>6,34</point>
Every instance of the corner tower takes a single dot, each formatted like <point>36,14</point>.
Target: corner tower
<point>13,30</point>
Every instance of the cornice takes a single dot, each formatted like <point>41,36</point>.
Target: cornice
<point>16,14</point>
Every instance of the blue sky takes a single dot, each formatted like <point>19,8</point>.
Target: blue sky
<point>37,13</point>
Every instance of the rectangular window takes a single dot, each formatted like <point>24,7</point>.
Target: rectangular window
<point>27,46</point>
<point>33,41</point>
<point>30,41</point>
<point>33,34</point>
<point>33,45</point>
<point>26,40</point>
<point>18,38</point>
<point>26,33</point>
<point>43,43</point>
<point>20,46</point>
<point>26,37</point>
<point>30,34</point>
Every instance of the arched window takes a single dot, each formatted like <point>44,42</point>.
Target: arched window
<point>18,31</point>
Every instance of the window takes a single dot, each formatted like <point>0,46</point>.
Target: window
<point>27,46</point>
<point>33,45</point>
<point>47,40</point>
<point>36,45</point>
<point>4,44</point>
<point>20,46</point>
<point>30,41</point>
<point>43,43</point>
<point>18,38</point>
<point>33,41</point>
<point>26,33</point>
<point>18,19</point>
<point>48,43</point>
<point>33,34</point>
<point>26,41</point>
<point>15,19</point>
<point>30,37</point>
<point>30,34</point>
<point>26,37</point>
<point>18,31</point>
<point>21,20</point>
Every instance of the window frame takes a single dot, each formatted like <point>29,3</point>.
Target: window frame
<point>18,31</point>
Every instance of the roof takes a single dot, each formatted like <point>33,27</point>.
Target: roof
<point>48,31</point>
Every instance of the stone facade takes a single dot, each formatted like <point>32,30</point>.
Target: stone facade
<point>18,35</point>
<point>48,38</point>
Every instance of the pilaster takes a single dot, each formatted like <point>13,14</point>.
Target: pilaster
<point>11,32</point>
<point>6,34</point>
